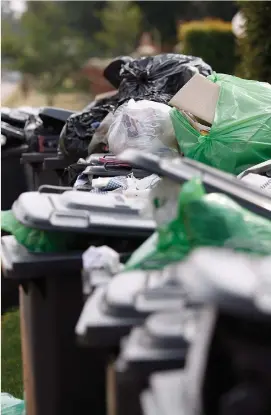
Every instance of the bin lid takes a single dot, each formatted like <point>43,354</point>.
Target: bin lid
<point>82,212</point>
<point>18,263</point>
<point>34,158</point>
<point>97,327</point>
<point>171,329</point>
<point>123,291</point>
<point>165,388</point>
<point>154,354</point>
<point>261,168</point>
<point>237,283</point>
<point>10,131</point>
<point>182,169</point>
<point>162,292</point>
<point>58,114</point>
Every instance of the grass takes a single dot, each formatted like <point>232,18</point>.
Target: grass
<point>11,360</point>
<point>72,101</point>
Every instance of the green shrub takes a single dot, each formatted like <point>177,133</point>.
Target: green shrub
<point>255,46</point>
<point>213,41</point>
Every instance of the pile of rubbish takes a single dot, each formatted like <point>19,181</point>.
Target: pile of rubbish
<point>153,81</point>
<point>172,105</point>
<point>169,178</point>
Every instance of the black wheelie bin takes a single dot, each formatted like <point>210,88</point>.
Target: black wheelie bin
<point>42,135</point>
<point>63,379</point>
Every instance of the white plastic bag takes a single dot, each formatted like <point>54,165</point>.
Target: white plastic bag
<point>145,125</point>
<point>162,204</point>
<point>102,257</point>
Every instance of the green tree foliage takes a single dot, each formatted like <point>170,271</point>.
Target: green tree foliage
<point>48,49</point>
<point>255,46</point>
<point>83,17</point>
<point>165,15</point>
<point>121,25</point>
<point>162,16</point>
<point>213,41</point>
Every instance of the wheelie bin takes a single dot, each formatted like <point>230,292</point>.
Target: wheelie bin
<point>63,379</point>
<point>160,344</point>
<point>42,135</point>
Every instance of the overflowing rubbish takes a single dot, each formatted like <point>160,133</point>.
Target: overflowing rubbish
<point>148,80</point>
<point>263,169</point>
<point>11,405</point>
<point>36,240</point>
<point>80,128</point>
<point>112,71</point>
<point>154,244</point>
<point>42,130</point>
<point>129,185</point>
<point>200,220</point>
<point>258,176</point>
<point>144,125</point>
<point>101,258</point>
<point>264,183</point>
<point>100,136</point>
<point>158,78</point>
<point>239,136</point>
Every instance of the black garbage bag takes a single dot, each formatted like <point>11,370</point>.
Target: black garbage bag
<point>112,71</point>
<point>158,78</point>
<point>80,128</point>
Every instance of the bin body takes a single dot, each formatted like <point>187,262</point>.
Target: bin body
<point>13,178</point>
<point>13,183</point>
<point>36,175</point>
<point>59,376</point>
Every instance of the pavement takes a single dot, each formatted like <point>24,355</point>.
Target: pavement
<point>10,81</point>
<point>7,89</point>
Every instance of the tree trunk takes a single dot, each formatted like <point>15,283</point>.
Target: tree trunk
<point>50,100</point>
<point>25,86</point>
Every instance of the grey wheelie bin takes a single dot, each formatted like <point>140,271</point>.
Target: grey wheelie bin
<point>160,344</point>
<point>226,371</point>
<point>110,313</point>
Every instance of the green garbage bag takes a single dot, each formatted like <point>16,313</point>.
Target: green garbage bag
<point>203,220</point>
<point>39,241</point>
<point>240,136</point>
<point>11,405</point>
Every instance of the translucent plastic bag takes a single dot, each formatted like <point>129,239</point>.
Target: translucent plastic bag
<point>201,220</point>
<point>11,405</point>
<point>40,241</point>
<point>145,125</point>
<point>240,136</point>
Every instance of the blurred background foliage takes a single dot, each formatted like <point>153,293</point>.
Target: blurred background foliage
<point>212,40</point>
<point>51,41</point>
